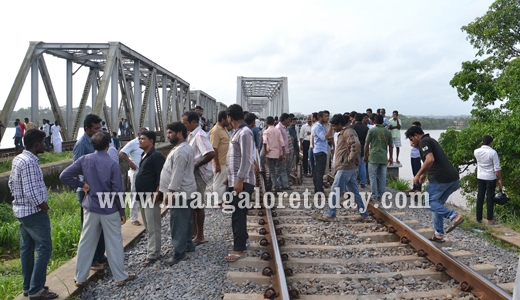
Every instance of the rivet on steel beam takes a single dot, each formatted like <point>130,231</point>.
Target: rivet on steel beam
<point>267,271</point>
<point>265,256</point>
<point>288,272</point>
<point>279,231</point>
<point>421,253</point>
<point>284,256</point>
<point>294,294</point>
<point>276,222</point>
<point>404,240</point>
<point>261,222</point>
<point>264,242</point>
<point>281,242</point>
<point>465,287</point>
<point>274,214</point>
<point>439,267</point>
<point>270,293</point>
<point>392,229</point>
<point>380,221</point>
<point>262,231</point>
<point>261,213</point>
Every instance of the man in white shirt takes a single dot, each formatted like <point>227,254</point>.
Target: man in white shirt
<point>131,153</point>
<point>488,170</point>
<point>305,142</point>
<point>47,130</point>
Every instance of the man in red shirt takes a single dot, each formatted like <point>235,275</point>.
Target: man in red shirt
<point>22,125</point>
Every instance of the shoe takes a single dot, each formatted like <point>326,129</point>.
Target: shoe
<point>363,186</point>
<point>44,287</point>
<point>233,257</point>
<point>197,243</point>
<point>45,295</point>
<point>130,277</point>
<point>190,250</point>
<point>173,261</point>
<point>324,219</point>
<point>97,267</point>
<point>136,223</point>
<point>494,223</point>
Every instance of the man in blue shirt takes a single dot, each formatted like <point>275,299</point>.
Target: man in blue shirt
<point>83,146</point>
<point>18,136</point>
<point>101,175</point>
<point>320,150</point>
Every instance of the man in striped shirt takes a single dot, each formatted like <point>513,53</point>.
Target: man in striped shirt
<point>30,208</point>
<point>203,154</point>
<point>241,177</point>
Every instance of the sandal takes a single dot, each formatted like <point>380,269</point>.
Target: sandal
<point>233,257</point>
<point>148,262</point>
<point>324,219</point>
<point>45,295</point>
<point>44,287</point>
<point>454,225</point>
<point>136,223</point>
<point>434,238</point>
<point>79,284</point>
<point>130,277</point>
<point>97,267</point>
<point>363,220</point>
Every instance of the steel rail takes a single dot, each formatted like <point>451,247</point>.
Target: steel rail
<point>470,281</point>
<point>279,289</point>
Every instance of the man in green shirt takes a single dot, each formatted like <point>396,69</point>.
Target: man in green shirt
<point>376,144</point>
<point>395,127</point>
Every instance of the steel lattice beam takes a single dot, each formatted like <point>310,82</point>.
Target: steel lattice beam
<point>263,95</point>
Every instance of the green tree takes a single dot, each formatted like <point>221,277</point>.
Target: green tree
<point>492,82</point>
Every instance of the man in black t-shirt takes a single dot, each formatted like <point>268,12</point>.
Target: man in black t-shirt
<point>443,180</point>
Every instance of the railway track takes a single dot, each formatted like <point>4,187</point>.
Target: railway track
<point>293,256</point>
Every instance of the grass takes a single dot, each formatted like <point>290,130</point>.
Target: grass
<point>397,184</point>
<point>469,224</point>
<point>65,233</point>
<point>45,158</point>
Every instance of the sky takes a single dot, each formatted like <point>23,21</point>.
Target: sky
<point>337,55</point>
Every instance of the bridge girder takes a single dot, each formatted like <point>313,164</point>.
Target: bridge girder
<point>111,64</point>
<point>267,96</point>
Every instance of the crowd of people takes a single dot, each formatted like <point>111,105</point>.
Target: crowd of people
<point>238,149</point>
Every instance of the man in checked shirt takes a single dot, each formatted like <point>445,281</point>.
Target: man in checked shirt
<point>30,207</point>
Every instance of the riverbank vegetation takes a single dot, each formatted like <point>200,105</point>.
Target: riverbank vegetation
<point>45,158</point>
<point>491,82</point>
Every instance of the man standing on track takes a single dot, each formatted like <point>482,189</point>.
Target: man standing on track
<point>443,180</point>
<point>305,141</point>
<point>219,139</point>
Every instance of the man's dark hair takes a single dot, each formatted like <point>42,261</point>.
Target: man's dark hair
<point>221,115</point>
<point>378,111</point>
<point>413,131</point>
<point>245,113</point>
<point>276,118</point>
<point>269,120</point>
<point>114,134</point>
<point>31,137</point>
<point>487,139</point>
<point>338,119</point>
<point>359,117</point>
<point>90,120</point>
<point>250,118</point>
<point>291,116</point>
<point>199,107</point>
<point>284,117</point>
<point>17,120</point>
<point>369,109</point>
<point>372,117</point>
<point>100,141</point>
<point>16,123</point>
<point>353,114</point>
<point>235,111</point>
<point>178,127</point>
<point>192,116</point>
<point>150,134</point>
<point>315,115</point>
<point>395,112</point>
<point>322,113</point>
<point>417,123</point>
<point>379,119</point>
<point>26,119</point>
<point>103,123</point>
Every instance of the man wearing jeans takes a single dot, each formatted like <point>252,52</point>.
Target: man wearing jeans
<point>377,142</point>
<point>346,165</point>
<point>362,131</point>
<point>320,150</point>
<point>30,208</point>
<point>488,170</point>
<point>443,180</point>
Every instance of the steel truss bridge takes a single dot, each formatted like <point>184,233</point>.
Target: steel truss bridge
<point>113,69</point>
<point>267,96</point>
